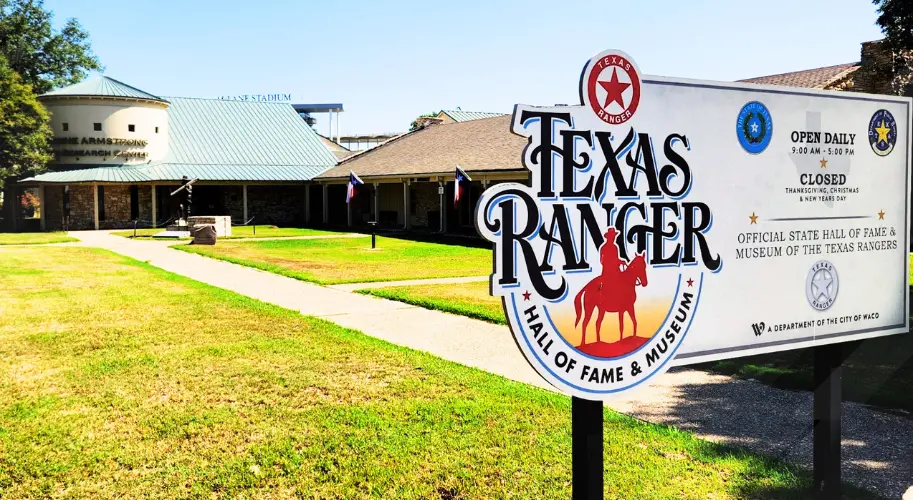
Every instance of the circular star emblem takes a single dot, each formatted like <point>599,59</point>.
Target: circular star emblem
<point>882,132</point>
<point>821,285</point>
<point>610,86</point>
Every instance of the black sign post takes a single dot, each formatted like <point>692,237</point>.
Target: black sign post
<point>586,449</point>
<point>826,414</point>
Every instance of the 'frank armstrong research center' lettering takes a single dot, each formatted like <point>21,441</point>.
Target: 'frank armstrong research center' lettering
<point>100,141</point>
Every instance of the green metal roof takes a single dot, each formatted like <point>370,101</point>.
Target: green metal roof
<point>102,86</point>
<point>465,116</point>
<point>221,140</point>
<point>214,131</point>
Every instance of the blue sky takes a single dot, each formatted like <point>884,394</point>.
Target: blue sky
<point>388,62</point>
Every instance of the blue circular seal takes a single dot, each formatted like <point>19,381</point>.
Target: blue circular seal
<point>882,132</point>
<point>754,127</point>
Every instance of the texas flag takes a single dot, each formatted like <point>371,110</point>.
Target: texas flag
<point>460,185</point>
<point>354,180</point>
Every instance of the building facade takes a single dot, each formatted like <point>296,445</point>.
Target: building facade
<point>120,152</point>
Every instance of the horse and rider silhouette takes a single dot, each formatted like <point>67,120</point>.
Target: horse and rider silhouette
<point>613,290</point>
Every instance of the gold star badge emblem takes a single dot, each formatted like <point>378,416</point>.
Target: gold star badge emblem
<point>882,132</point>
<point>881,215</point>
<point>823,163</point>
<point>754,218</point>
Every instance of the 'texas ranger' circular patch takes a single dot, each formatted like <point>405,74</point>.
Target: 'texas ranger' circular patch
<point>611,87</point>
<point>754,127</point>
<point>882,132</point>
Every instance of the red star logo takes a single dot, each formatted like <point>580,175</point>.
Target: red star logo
<point>526,295</point>
<point>613,89</point>
<point>690,282</point>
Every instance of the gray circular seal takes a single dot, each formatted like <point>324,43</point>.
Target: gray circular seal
<point>821,285</point>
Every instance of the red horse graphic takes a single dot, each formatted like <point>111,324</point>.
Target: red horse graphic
<point>613,290</point>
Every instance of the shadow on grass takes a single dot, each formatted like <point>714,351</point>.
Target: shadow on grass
<point>876,371</point>
<point>876,446</point>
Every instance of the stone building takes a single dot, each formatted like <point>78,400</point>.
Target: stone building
<point>872,74</point>
<point>409,180</point>
<point>120,152</point>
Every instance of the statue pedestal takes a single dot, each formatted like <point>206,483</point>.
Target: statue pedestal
<point>179,229</point>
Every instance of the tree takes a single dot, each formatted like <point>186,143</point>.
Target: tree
<point>25,129</point>
<point>45,58</point>
<point>895,17</point>
<point>417,123</point>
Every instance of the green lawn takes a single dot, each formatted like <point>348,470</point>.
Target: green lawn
<point>132,382</point>
<point>351,260</point>
<point>877,371</point>
<point>241,232</point>
<point>35,238</point>
<point>467,299</point>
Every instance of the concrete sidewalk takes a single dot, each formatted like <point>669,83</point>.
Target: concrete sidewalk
<point>351,287</point>
<point>877,446</point>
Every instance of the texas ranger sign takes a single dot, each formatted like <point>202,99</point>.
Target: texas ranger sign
<point>670,222</point>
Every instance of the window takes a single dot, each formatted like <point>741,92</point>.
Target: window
<point>30,203</point>
<point>101,202</point>
<point>97,127</point>
<point>156,130</point>
<point>66,127</point>
<point>134,202</point>
<point>131,128</point>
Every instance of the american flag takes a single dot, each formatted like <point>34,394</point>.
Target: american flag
<point>354,180</point>
<point>461,182</point>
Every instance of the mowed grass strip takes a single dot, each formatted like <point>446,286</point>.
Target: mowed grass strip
<point>241,232</point>
<point>35,238</point>
<point>466,299</point>
<point>121,380</point>
<point>352,260</point>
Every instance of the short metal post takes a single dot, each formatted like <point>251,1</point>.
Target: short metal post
<point>373,225</point>
<point>827,413</point>
<point>586,449</point>
<point>134,228</point>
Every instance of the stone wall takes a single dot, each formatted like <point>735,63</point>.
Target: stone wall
<point>145,203</point>
<point>117,207</point>
<point>276,205</point>
<point>233,201</point>
<point>875,74</point>
<point>52,204</point>
<point>82,207</point>
<point>424,199</point>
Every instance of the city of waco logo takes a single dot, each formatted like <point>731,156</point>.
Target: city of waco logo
<point>600,262</point>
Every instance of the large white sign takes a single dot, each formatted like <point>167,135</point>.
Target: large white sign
<point>671,222</point>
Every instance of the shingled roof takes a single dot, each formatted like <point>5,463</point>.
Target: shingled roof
<point>818,78</point>
<point>484,145</point>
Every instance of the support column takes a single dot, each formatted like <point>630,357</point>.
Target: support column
<point>326,205</point>
<point>407,224</point>
<point>307,204</point>
<point>95,203</point>
<point>41,207</point>
<point>244,201</point>
<point>155,219</point>
<point>376,198</point>
<point>338,119</point>
<point>826,413</point>
<point>441,191</point>
<point>587,481</point>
